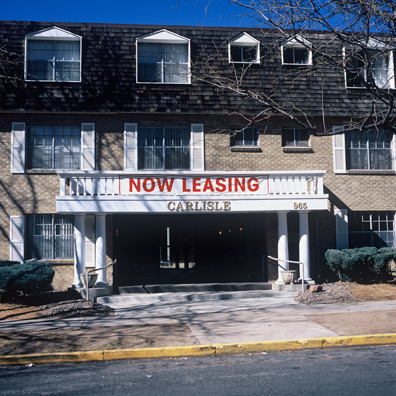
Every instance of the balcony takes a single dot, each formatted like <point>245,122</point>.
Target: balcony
<point>163,192</point>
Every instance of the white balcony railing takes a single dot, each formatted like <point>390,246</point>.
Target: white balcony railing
<point>108,183</point>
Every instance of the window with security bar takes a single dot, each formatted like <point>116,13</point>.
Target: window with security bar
<point>371,229</point>
<point>54,147</point>
<point>49,236</point>
<point>164,148</point>
<point>371,150</point>
<point>53,60</point>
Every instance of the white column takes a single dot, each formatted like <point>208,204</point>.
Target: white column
<point>304,246</point>
<point>79,249</point>
<point>101,249</point>
<point>283,245</point>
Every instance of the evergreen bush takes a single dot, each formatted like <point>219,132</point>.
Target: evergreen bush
<point>27,278</point>
<point>8,263</point>
<point>364,265</point>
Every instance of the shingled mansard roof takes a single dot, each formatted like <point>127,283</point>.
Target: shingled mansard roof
<point>108,81</point>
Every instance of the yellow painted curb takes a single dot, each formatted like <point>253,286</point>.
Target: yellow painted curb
<point>203,350</point>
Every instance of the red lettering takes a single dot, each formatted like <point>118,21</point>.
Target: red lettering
<point>134,183</point>
<point>165,182</point>
<point>185,189</point>
<point>145,182</point>
<point>239,184</point>
<point>196,185</point>
<point>208,186</point>
<point>221,185</point>
<point>253,184</point>
<point>229,184</point>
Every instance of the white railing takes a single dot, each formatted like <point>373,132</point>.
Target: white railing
<point>106,183</point>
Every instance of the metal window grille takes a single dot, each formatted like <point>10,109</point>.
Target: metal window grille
<point>164,148</point>
<point>371,229</point>
<point>49,236</point>
<point>369,150</point>
<point>51,147</point>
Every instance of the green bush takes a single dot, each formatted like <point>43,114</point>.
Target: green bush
<point>363,265</point>
<point>8,263</point>
<point>28,278</point>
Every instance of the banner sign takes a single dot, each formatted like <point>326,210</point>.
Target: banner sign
<point>193,185</point>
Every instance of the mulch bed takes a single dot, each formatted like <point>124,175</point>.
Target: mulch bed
<point>332,293</point>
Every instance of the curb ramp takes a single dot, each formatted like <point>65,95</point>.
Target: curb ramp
<point>203,350</point>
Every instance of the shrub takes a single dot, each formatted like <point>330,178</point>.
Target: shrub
<point>363,265</point>
<point>28,278</point>
<point>8,263</point>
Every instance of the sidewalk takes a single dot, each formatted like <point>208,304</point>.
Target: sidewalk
<point>237,321</point>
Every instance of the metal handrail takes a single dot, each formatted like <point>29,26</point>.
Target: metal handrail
<point>293,262</point>
<point>86,274</point>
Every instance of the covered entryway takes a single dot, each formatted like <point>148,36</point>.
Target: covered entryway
<point>189,248</point>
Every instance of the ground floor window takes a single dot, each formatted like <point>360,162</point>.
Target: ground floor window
<point>371,229</point>
<point>49,236</point>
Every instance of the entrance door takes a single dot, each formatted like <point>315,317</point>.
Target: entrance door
<point>180,248</point>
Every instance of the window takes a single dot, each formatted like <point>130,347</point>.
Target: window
<point>244,49</point>
<point>163,57</point>
<point>53,55</point>
<point>164,148</point>
<point>49,237</point>
<point>53,147</point>
<point>295,137</point>
<point>244,137</point>
<point>369,150</point>
<point>296,51</point>
<point>371,229</point>
<point>373,65</point>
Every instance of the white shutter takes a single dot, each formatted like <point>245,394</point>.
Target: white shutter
<point>88,146</point>
<point>17,231</point>
<point>90,241</point>
<point>341,218</point>
<point>197,147</point>
<point>130,147</point>
<point>339,150</point>
<point>18,147</point>
<point>394,152</point>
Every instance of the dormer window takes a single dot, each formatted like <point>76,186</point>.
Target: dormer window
<point>296,51</point>
<point>53,54</point>
<point>163,57</point>
<point>372,65</point>
<point>244,49</point>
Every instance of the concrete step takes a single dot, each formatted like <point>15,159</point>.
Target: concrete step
<point>140,298</point>
<point>195,288</point>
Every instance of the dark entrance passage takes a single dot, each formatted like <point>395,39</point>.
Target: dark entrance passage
<point>189,248</point>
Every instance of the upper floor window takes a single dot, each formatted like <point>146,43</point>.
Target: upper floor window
<point>53,54</point>
<point>163,57</point>
<point>372,66</point>
<point>296,51</point>
<point>295,137</point>
<point>244,137</point>
<point>53,147</point>
<point>371,150</point>
<point>164,148</point>
<point>244,49</point>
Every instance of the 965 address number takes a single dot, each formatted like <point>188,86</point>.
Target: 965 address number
<point>301,205</point>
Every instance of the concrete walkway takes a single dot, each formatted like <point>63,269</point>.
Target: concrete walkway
<point>221,321</point>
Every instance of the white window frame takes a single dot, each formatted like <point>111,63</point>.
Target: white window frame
<point>52,34</point>
<point>164,36</point>
<point>244,40</point>
<point>375,45</point>
<point>297,42</point>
